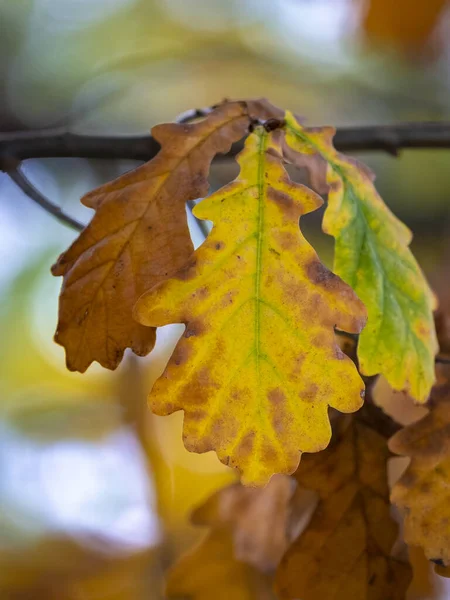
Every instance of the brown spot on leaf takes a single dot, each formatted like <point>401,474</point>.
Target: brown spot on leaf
<point>309,393</point>
<point>276,396</point>
<point>268,453</point>
<point>284,201</point>
<point>193,328</point>
<point>320,275</point>
<point>180,354</point>
<point>287,240</point>
<point>188,271</point>
<point>198,415</point>
<point>245,446</point>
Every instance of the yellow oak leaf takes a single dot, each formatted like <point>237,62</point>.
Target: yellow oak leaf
<point>345,551</point>
<point>423,492</point>
<point>137,237</point>
<point>373,257</point>
<point>258,364</point>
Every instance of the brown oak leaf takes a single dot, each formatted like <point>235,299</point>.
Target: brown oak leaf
<point>423,493</point>
<point>250,530</point>
<point>211,570</point>
<point>345,551</point>
<point>259,519</point>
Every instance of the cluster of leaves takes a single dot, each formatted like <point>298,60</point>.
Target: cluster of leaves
<point>259,364</point>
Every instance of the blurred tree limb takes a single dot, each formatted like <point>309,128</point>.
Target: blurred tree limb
<point>60,143</point>
<point>54,143</point>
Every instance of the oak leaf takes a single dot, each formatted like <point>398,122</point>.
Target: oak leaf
<point>249,532</point>
<point>373,257</point>
<point>345,550</point>
<point>137,237</point>
<point>211,570</point>
<point>423,493</point>
<point>260,519</point>
<point>258,364</point>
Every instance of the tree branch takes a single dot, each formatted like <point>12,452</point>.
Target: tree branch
<point>28,188</point>
<point>57,143</point>
<point>392,138</point>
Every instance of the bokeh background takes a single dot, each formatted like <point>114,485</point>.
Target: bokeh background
<point>95,492</point>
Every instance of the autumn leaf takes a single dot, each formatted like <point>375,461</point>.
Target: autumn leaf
<point>249,532</point>
<point>138,236</point>
<point>345,551</point>
<point>258,364</point>
<point>372,256</point>
<point>423,493</point>
<point>211,571</point>
<point>260,519</point>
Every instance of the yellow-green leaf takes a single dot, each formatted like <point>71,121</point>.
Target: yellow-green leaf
<point>258,364</point>
<point>373,257</point>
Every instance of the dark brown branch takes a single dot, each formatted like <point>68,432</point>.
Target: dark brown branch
<point>59,143</point>
<point>392,138</point>
<point>28,188</point>
<point>51,143</point>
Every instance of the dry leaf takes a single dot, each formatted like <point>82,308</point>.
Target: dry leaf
<point>211,571</point>
<point>423,492</point>
<point>345,550</point>
<point>250,531</point>
<point>258,364</point>
<point>260,519</point>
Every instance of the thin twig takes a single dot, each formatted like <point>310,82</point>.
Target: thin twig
<point>28,188</point>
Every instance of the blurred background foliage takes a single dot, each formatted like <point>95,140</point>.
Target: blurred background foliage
<point>95,491</point>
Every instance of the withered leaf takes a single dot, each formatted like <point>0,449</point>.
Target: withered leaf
<point>137,237</point>
<point>249,532</point>
<point>259,519</point>
<point>423,492</point>
<point>258,364</point>
<point>211,570</point>
<point>345,550</point>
